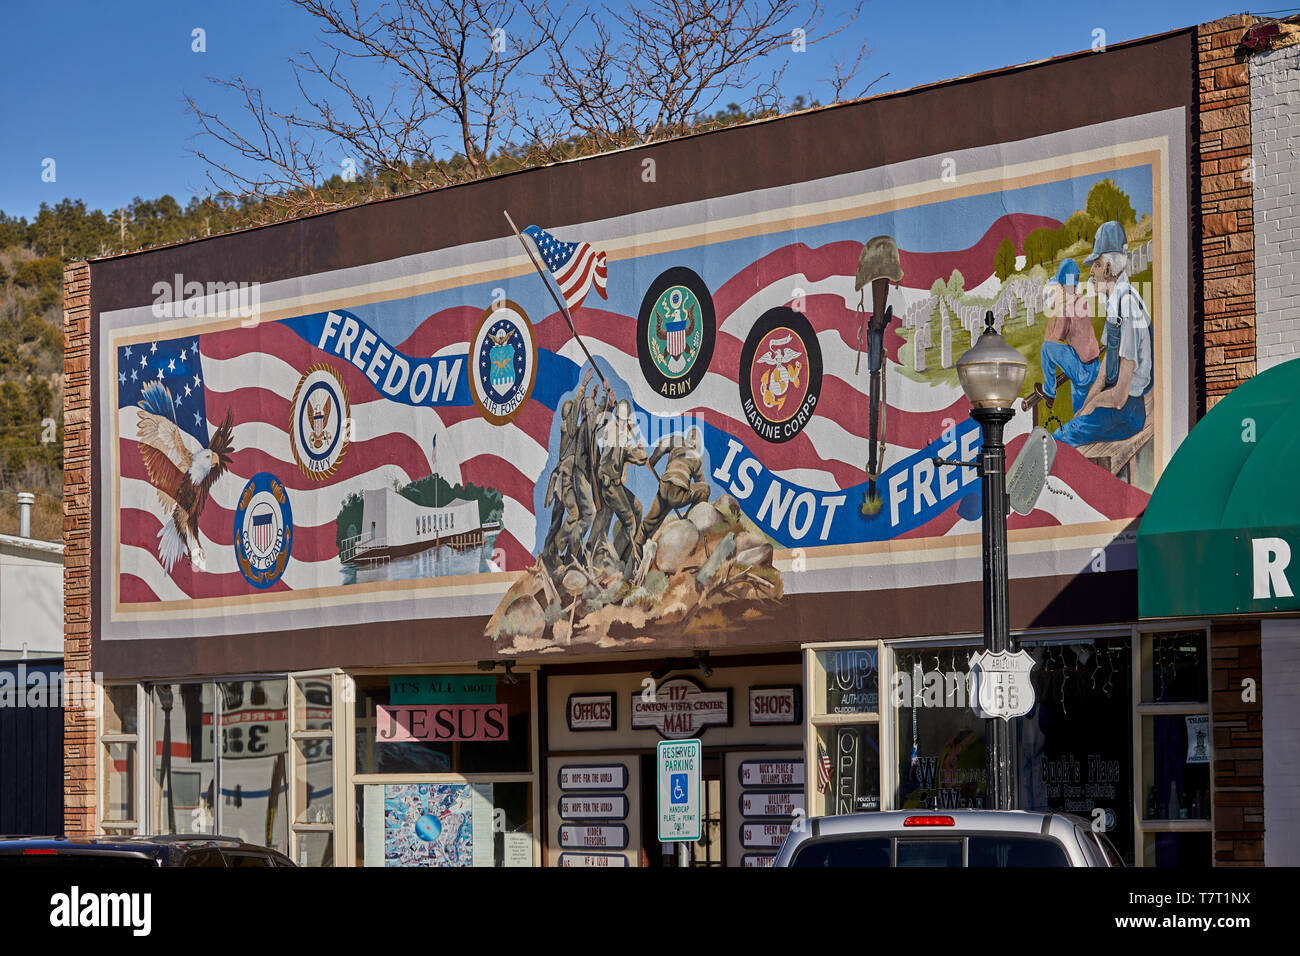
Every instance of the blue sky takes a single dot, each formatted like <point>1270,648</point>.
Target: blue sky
<point>100,87</point>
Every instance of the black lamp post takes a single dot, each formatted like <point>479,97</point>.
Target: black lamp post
<point>991,374</point>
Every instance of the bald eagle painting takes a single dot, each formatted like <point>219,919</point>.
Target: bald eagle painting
<point>181,472</point>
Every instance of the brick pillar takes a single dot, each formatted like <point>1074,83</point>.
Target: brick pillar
<point>1225,261</point>
<point>79,789</point>
<point>1238,728</point>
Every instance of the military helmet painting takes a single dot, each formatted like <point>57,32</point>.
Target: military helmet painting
<point>878,260</point>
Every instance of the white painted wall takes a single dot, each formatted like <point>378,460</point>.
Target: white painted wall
<point>1280,695</point>
<point>31,597</point>
<point>1275,138</point>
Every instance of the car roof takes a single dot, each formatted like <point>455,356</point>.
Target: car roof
<point>963,821</point>
<point>132,843</point>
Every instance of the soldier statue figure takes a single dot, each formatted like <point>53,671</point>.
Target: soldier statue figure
<point>682,482</point>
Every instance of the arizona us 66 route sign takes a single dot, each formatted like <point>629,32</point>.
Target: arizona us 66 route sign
<point>1001,684</point>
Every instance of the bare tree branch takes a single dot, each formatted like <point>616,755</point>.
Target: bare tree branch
<point>415,94</point>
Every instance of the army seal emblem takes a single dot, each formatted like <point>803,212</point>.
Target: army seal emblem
<point>676,328</point>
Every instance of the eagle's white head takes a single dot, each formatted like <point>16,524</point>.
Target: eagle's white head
<point>202,465</point>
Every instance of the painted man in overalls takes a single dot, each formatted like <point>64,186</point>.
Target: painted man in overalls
<point>1115,408</point>
<point>1069,343</point>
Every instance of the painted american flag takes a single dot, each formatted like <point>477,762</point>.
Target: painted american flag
<point>576,266</point>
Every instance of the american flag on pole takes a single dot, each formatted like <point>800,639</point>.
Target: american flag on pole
<point>575,265</point>
<point>823,767</point>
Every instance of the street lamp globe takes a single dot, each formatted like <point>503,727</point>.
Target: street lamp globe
<point>991,372</point>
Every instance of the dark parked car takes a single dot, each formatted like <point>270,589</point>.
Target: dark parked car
<point>133,851</point>
<point>956,838</point>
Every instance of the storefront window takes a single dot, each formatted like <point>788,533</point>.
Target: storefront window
<point>119,742</point>
<point>1177,747</point>
<point>1076,745</point>
<point>1173,667</point>
<point>446,770</point>
<point>459,702</point>
<point>457,824</point>
<point>119,788</point>
<point>1176,766</point>
<point>254,723</point>
<point>184,770</point>
<point>852,683</point>
<point>853,782</point>
<point>939,740</point>
<point>844,687</point>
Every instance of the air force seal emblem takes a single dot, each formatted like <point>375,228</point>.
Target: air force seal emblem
<point>1002,686</point>
<point>676,328</point>
<point>503,362</point>
<point>263,530</point>
<point>320,431</point>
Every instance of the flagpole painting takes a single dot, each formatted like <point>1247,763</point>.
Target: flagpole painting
<point>603,470</point>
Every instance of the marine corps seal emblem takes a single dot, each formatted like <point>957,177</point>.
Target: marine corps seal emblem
<point>780,374</point>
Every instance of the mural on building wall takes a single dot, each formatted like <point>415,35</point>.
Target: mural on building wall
<point>642,441</point>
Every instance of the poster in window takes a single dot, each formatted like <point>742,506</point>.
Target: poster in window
<point>1198,738</point>
<point>428,824</point>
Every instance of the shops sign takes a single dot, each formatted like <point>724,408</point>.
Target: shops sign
<point>680,708</point>
<point>774,705</point>
<point>1002,686</point>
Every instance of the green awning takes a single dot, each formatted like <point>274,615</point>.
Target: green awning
<point>1221,534</point>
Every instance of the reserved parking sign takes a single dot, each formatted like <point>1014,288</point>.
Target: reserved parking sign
<point>679,790</point>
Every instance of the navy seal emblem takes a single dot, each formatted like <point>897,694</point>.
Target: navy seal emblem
<point>320,432</point>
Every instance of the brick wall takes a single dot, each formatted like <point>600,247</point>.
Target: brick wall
<point>1225,344</point>
<point>1275,138</point>
<point>1238,727</point>
<point>78,722</point>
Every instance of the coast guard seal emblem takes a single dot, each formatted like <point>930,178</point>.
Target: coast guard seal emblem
<point>676,328</point>
<point>263,530</point>
<point>780,374</point>
<point>319,433</point>
<point>503,362</point>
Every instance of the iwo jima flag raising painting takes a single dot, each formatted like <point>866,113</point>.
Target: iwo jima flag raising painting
<point>470,432</point>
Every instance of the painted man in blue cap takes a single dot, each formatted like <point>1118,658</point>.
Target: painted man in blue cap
<point>1069,343</point>
<point>1115,407</point>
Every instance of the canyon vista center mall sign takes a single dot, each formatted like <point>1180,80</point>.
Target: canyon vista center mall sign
<point>680,708</point>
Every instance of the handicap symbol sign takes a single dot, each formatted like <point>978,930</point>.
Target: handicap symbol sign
<point>677,788</point>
